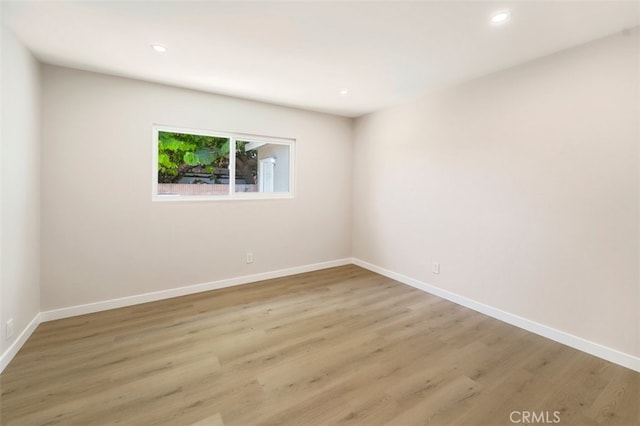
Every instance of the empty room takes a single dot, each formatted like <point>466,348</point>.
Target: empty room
<point>320,213</point>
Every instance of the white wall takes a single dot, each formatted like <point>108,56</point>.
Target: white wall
<point>281,170</point>
<point>523,185</point>
<point>20,164</point>
<point>103,237</point>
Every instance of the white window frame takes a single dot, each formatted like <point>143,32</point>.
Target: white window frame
<point>233,137</point>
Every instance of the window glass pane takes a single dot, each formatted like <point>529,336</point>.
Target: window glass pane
<point>192,165</point>
<point>246,167</point>
<point>262,167</point>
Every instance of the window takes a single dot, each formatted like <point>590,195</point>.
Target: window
<point>198,165</point>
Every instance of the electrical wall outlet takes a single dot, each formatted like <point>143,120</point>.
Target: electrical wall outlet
<point>435,268</point>
<point>249,257</point>
<point>8,329</point>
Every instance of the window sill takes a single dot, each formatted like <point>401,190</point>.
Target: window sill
<point>235,197</point>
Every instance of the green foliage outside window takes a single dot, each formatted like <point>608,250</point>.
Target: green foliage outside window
<point>182,154</point>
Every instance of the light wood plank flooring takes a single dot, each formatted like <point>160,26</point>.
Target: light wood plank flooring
<point>342,346</point>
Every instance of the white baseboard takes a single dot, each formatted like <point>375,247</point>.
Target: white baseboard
<point>89,308</point>
<point>579,343</point>
<point>8,355</point>
<point>596,349</point>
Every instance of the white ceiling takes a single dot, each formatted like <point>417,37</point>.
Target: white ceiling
<point>303,53</point>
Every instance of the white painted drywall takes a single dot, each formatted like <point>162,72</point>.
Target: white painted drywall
<point>20,232</point>
<point>523,185</point>
<point>103,237</point>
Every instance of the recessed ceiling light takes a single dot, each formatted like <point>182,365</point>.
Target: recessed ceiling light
<point>344,92</point>
<point>500,17</point>
<point>159,48</point>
